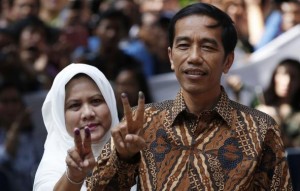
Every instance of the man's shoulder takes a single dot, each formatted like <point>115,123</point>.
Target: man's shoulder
<point>162,105</point>
<point>255,114</point>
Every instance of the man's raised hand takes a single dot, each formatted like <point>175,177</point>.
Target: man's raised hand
<point>127,135</point>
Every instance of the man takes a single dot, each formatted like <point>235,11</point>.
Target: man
<point>201,140</point>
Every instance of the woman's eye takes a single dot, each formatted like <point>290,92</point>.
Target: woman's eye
<point>97,101</point>
<point>74,106</point>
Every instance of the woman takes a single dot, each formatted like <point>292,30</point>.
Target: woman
<point>281,100</point>
<point>80,98</point>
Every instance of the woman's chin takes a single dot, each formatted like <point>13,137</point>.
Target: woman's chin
<point>96,138</point>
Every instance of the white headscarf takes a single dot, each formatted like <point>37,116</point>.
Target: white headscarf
<point>53,165</point>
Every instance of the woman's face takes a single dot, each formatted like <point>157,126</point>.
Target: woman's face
<point>282,82</point>
<point>85,107</point>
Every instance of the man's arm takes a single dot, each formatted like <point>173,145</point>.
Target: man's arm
<point>118,170</point>
<point>112,173</point>
<point>273,172</point>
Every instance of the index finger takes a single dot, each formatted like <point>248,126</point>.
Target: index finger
<point>87,141</point>
<point>78,141</point>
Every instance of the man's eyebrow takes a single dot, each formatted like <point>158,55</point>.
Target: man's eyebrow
<point>204,40</point>
<point>210,40</point>
<point>181,38</point>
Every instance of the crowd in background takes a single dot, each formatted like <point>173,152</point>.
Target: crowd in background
<point>127,40</point>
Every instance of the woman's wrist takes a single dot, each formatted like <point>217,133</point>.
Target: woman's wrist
<point>73,180</point>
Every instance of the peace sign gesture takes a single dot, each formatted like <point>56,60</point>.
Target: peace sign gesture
<point>127,135</point>
<point>80,159</point>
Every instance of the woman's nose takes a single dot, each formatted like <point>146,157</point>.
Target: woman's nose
<point>87,112</point>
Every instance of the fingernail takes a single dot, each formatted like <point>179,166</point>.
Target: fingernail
<point>76,131</point>
<point>141,95</point>
<point>87,132</point>
<point>123,95</point>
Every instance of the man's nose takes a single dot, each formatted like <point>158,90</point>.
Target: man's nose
<point>194,55</point>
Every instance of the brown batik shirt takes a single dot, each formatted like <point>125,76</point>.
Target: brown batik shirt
<point>231,147</point>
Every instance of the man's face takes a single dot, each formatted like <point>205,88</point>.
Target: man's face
<point>197,55</point>
<point>290,15</point>
<point>24,8</point>
<point>110,32</point>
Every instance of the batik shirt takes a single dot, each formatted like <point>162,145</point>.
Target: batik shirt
<point>231,147</point>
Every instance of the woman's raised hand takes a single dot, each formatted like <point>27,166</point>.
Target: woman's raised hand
<point>80,159</point>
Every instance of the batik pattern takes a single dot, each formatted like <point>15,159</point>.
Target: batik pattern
<point>231,147</point>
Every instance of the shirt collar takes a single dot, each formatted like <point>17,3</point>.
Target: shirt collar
<point>223,107</point>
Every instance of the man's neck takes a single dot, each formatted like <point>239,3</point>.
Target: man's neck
<point>201,102</point>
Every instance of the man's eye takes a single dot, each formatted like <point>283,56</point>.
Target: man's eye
<point>182,46</point>
<point>208,47</point>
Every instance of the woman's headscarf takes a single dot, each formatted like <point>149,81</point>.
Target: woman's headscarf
<point>53,165</point>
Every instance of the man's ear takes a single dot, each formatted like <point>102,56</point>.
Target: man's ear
<point>228,62</point>
<point>170,57</point>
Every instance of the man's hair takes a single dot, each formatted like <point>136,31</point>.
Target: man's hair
<point>229,33</point>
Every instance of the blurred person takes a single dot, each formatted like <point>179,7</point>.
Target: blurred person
<point>155,58</point>
<point>237,10</point>
<point>75,28</point>
<point>18,152</point>
<point>131,9</point>
<point>4,181</point>
<point>147,49</point>
<point>21,9</point>
<point>53,12</point>
<point>73,36</point>
<point>7,40</point>
<point>10,67</point>
<point>111,28</point>
<point>138,46</point>
<point>281,100</point>
<point>271,18</point>
<point>34,41</point>
<point>201,139</point>
<point>78,112</point>
<point>290,14</point>
<point>158,48</point>
<point>14,10</point>
<point>131,80</point>
<point>265,19</point>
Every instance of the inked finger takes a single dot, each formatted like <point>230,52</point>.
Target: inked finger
<point>78,141</point>
<point>126,108</point>
<point>87,141</point>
